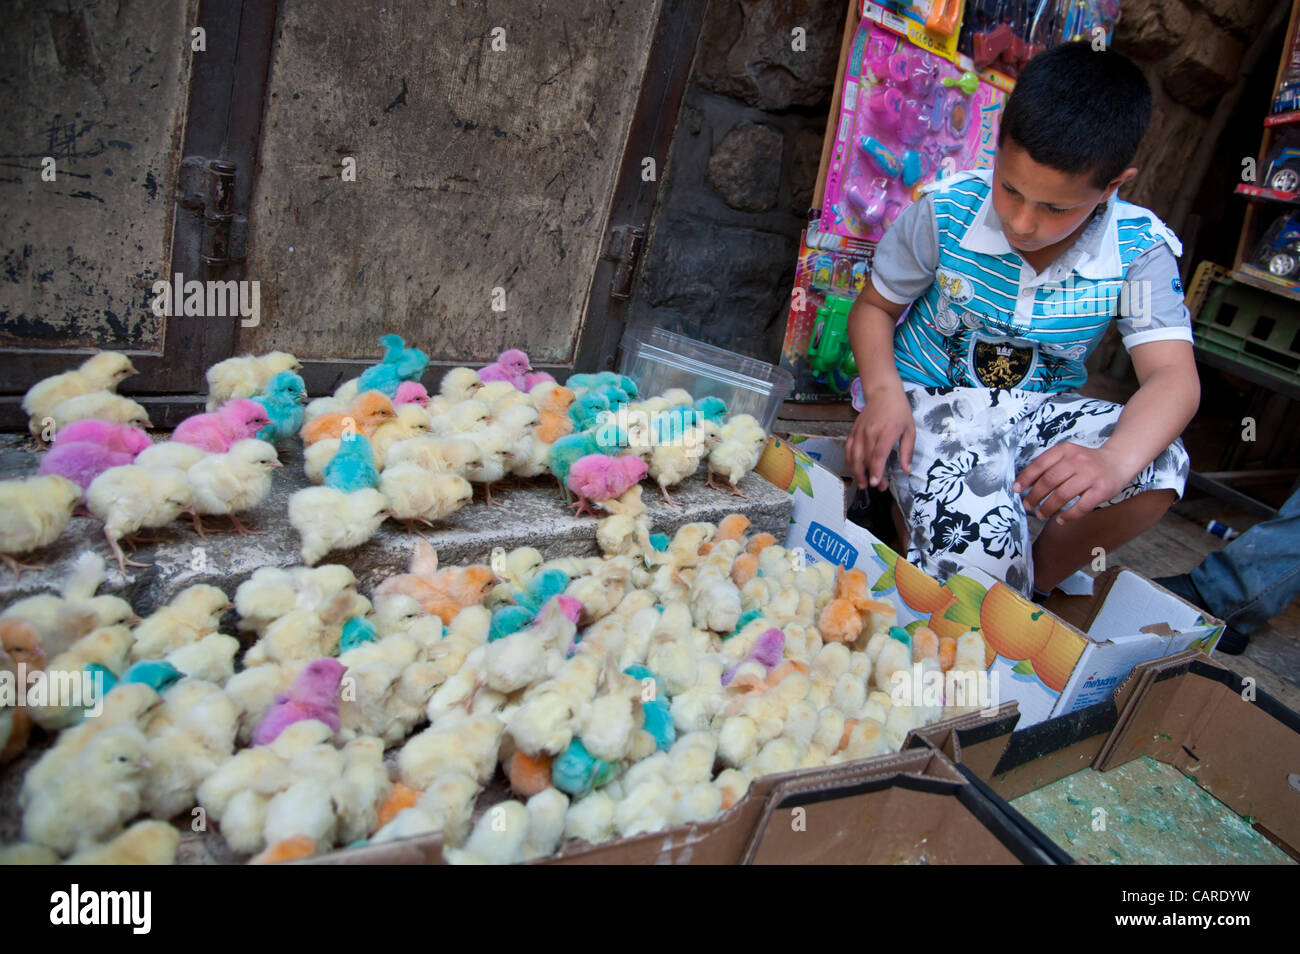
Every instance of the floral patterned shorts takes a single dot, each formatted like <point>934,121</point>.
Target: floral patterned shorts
<point>971,443</point>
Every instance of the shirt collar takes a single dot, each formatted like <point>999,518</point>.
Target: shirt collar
<point>1094,254</point>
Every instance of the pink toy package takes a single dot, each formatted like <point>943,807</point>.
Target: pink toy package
<point>907,118</point>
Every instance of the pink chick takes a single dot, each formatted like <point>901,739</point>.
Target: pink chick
<point>510,366</point>
<point>411,392</point>
<point>234,421</point>
<point>314,694</point>
<point>81,461</point>
<point>768,650</point>
<point>597,477</point>
<point>115,437</point>
<point>534,378</point>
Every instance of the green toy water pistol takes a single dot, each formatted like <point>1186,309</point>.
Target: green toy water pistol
<point>829,353</point>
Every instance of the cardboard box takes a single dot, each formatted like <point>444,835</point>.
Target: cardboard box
<point>1186,710</point>
<point>1049,665</point>
<point>827,451</point>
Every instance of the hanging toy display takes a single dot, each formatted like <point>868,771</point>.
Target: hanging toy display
<point>914,118</point>
<point>829,354</point>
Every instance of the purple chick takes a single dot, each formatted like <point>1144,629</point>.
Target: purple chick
<point>768,650</point>
<point>81,462</point>
<point>534,378</point>
<point>510,366</point>
<point>411,392</point>
<point>313,695</point>
<point>116,437</point>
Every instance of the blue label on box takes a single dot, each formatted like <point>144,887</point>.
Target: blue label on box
<point>831,545</point>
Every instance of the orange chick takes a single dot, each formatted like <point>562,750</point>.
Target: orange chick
<point>553,416</point>
<point>529,774</point>
<point>947,652</point>
<point>840,621</point>
<point>291,849</point>
<point>401,797</point>
<point>20,640</point>
<point>367,412</point>
<point>733,526</point>
<point>760,542</point>
<point>744,569</point>
<point>925,644</point>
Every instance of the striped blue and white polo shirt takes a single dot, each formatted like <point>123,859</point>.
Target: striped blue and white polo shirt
<point>982,317</point>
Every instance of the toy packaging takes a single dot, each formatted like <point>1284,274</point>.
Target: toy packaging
<point>828,276</point>
<point>908,117</point>
<point>1004,35</point>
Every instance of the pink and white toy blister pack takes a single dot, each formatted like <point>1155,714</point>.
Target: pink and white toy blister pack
<point>908,117</point>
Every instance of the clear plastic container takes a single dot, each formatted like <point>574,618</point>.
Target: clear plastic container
<point>657,360</point>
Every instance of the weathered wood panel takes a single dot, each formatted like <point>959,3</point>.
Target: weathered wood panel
<point>476,169</point>
<point>101,88</point>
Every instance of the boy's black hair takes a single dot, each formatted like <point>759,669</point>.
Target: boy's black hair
<point>1079,110</point>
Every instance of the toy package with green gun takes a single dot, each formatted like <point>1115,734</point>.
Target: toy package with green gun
<point>828,276</point>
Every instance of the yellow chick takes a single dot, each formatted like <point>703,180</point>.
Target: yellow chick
<point>546,812</point>
<point>671,463</point>
<point>455,454</point>
<point>416,495</point>
<point>33,512</point>
<point>412,422</point>
<point>591,818</point>
<point>102,371</point>
<point>199,739</point>
<point>62,619</point>
<point>458,384</point>
<point>191,614</point>
<point>303,809</point>
<point>463,418</point>
<point>130,498</point>
<point>25,853</point>
<point>170,454</point>
<point>446,806</point>
<point>737,453</point>
<point>224,484</point>
<point>245,376</point>
<point>328,519</point>
<point>144,843</point>
<point>100,406</point>
<point>465,744</point>
<point>360,789</point>
<point>99,793</point>
<point>499,838</point>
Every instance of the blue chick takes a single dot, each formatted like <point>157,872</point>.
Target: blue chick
<point>507,620</point>
<point>104,673</point>
<point>356,631</point>
<point>157,674</point>
<point>283,399</point>
<point>549,582</point>
<point>386,375</point>
<point>577,772</point>
<point>659,541</point>
<point>353,467</point>
<point>585,410</point>
<point>712,408</point>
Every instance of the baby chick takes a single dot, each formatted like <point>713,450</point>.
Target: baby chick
<point>246,375</point>
<point>328,519</point>
<point>130,498</point>
<point>412,421</point>
<point>499,838</point>
<point>738,451</point>
<point>191,614</point>
<point>455,454</point>
<point>100,791</point>
<point>100,406</point>
<point>170,454</point>
<point>102,371</point>
<point>365,415</point>
<point>33,512</point>
<point>144,843</point>
<point>415,494</point>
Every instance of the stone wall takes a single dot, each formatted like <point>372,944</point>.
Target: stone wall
<point>743,164</point>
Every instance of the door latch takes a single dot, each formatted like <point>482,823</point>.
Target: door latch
<point>206,190</point>
<point>623,248</point>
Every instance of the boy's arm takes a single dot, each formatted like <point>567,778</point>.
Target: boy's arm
<point>887,418</point>
<point>1162,406</point>
<point>902,269</point>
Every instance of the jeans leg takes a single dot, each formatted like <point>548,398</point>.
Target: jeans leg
<point>1257,575</point>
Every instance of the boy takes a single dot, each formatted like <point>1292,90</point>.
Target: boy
<point>1013,275</point>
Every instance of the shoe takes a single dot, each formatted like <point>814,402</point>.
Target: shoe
<point>1232,641</point>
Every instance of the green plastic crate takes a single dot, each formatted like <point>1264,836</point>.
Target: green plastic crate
<point>1251,326</point>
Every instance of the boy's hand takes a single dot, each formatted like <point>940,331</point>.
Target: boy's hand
<point>884,422</point>
<point>1066,471</point>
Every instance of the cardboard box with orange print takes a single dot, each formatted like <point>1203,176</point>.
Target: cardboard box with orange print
<point>1048,664</point>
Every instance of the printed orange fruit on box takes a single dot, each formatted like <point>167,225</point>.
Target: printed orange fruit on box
<point>781,465</point>
<point>946,627</point>
<point>921,591</point>
<point>1055,661</point>
<point>1013,627</point>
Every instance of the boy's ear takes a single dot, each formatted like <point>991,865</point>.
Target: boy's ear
<point>1114,186</point>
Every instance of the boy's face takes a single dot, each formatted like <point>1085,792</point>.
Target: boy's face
<point>1039,206</point>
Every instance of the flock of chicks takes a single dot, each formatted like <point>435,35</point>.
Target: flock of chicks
<point>617,695</point>
<point>380,448</point>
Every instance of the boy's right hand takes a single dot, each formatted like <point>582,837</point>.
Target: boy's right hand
<point>885,421</point>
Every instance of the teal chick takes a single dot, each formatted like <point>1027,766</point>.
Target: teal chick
<point>712,409</point>
<point>507,620</point>
<point>384,376</point>
<point>586,409</point>
<point>356,631</point>
<point>902,635</point>
<point>669,426</point>
<point>158,674</point>
<point>103,673</point>
<point>614,394</point>
<point>659,722</point>
<point>283,399</point>
<point>659,541</point>
<point>746,618</point>
<point>568,449</point>
<point>544,584</point>
<point>580,382</point>
<point>353,467</point>
<point>577,772</point>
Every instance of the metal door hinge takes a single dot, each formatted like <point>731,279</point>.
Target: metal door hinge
<point>206,189</point>
<point>624,248</point>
